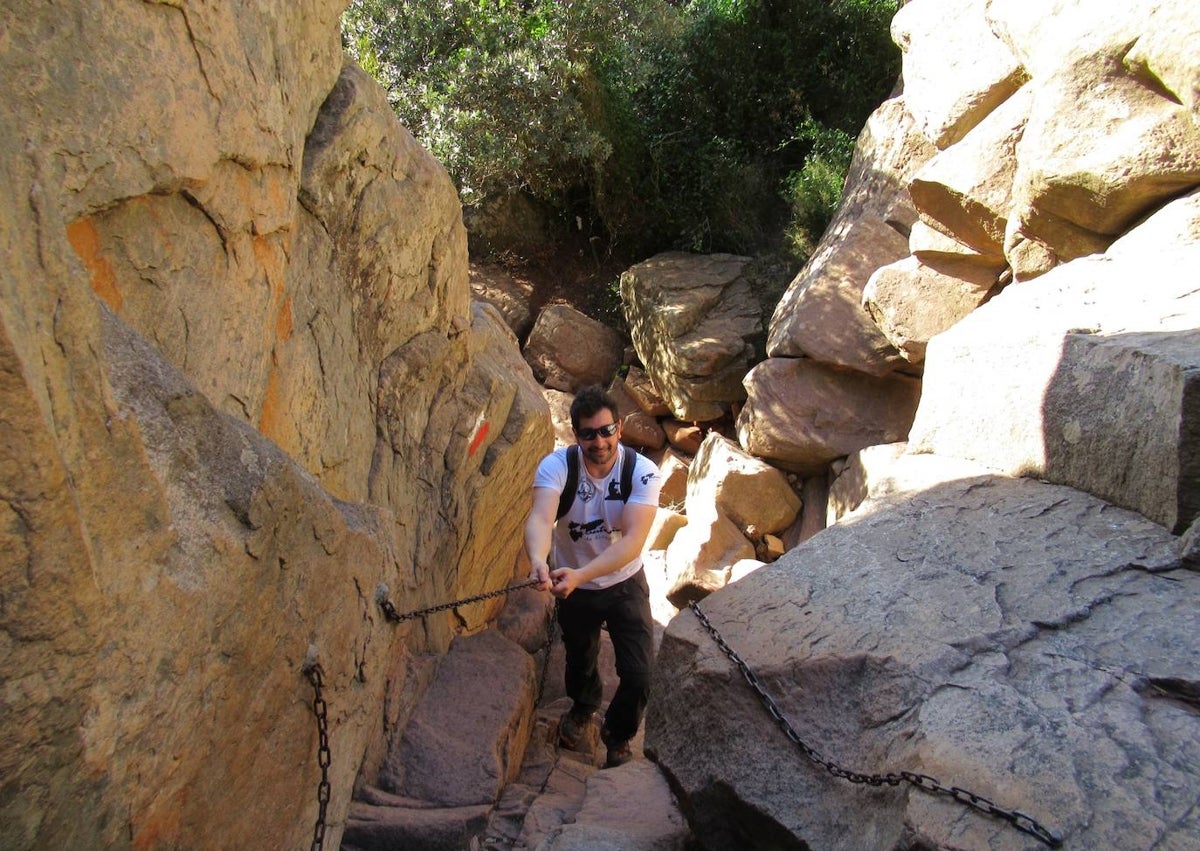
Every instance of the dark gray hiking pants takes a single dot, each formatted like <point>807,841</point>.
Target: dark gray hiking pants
<point>625,608</point>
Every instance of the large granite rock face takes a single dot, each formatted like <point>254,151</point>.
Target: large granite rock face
<point>696,326</point>
<point>1021,640</point>
<point>1082,379</point>
<point>243,387</point>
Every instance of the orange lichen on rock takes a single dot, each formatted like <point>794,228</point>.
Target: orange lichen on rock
<point>85,239</point>
<point>284,321</point>
<point>269,418</point>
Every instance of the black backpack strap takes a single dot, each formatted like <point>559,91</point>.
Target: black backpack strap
<point>628,462</point>
<point>567,498</point>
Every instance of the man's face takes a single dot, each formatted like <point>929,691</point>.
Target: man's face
<point>599,449</point>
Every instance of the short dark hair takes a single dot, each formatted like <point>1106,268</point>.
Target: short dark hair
<point>590,401</point>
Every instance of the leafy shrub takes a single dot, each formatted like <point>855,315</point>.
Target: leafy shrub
<point>659,124</point>
<point>815,190</point>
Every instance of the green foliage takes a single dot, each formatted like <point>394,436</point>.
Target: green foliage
<point>507,95</point>
<point>666,124</point>
<point>741,95</point>
<point>815,190</point>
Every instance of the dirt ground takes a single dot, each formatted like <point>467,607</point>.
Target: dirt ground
<point>578,273</point>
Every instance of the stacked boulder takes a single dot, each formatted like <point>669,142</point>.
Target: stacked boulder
<point>694,320</point>
<point>1007,606</point>
<point>832,382</point>
<point>696,330</point>
<point>733,501</point>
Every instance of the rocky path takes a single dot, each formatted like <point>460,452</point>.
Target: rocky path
<point>563,800</point>
<point>558,800</point>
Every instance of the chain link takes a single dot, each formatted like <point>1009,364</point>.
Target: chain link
<point>324,756</point>
<point>1021,821</point>
<point>321,709</point>
<point>389,611</point>
<point>389,608</point>
<point>549,648</point>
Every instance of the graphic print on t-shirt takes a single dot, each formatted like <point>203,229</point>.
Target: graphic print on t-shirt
<point>586,491</point>
<point>578,530</point>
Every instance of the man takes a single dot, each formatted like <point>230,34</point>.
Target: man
<point>597,574</point>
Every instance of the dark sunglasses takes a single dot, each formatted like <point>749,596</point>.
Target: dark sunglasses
<point>592,433</point>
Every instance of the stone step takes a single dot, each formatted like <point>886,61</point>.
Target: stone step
<point>554,799</point>
<point>374,827</point>
<point>628,808</point>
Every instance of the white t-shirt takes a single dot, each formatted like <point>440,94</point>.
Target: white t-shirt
<point>594,520</point>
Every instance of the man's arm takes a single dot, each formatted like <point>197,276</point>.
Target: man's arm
<point>636,520</point>
<point>539,529</point>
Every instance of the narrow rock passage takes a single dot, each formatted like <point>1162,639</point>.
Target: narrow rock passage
<point>563,800</point>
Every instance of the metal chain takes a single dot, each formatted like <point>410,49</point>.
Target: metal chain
<point>549,648</point>
<point>321,709</point>
<point>389,608</point>
<point>324,756</point>
<point>1021,821</point>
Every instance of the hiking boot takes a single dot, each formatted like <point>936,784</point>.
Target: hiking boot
<point>573,729</point>
<point>619,753</point>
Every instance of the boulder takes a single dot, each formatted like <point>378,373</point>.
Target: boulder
<point>742,569</point>
<point>560,415</point>
<point>768,549</point>
<point>641,387</point>
<point>1174,226</point>
<point>814,494</point>
<point>685,437</point>
<point>801,414</point>
<point>700,557</point>
<point>1189,546</point>
<point>965,191</point>
<point>568,350</point>
<point>501,290</point>
<point>911,301</point>
<point>371,827</point>
<point>526,616</point>
<point>1027,384</point>
<point>1023,641</point>
<point>820,316</point>
<point>725,480</point>
<point>468,733</point>
<point>854,480</point>
<point>674,471</point>
<point>1119,75</point>
<point>880,471</point>
<point>562,792</point>
<point>642,431</point>
<point>696,325</point>
<point>662,531</point>
<point>638,429</point>
<point>955,69</point>
<point>629,808</point>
